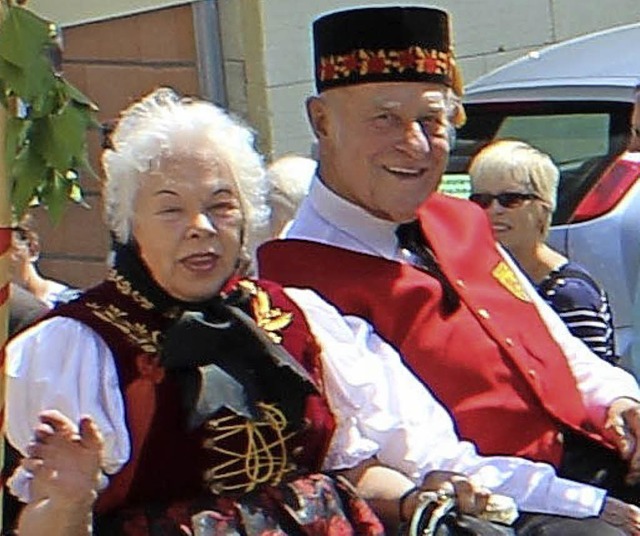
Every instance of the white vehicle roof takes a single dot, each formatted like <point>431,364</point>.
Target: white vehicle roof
<point>599,66</point>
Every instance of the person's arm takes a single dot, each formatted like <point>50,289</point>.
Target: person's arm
<point>383,410</point>
<point>62,364</point>
<point>395,497</point>
<point>610,394</point>
<point>64,461</point>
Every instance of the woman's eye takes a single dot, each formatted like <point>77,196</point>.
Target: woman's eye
<point>169,210</point>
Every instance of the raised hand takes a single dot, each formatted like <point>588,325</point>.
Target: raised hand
<point>64,459</point>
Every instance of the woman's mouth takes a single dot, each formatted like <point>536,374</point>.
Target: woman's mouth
<point>200,262</point>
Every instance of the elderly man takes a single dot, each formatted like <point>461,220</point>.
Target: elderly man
<point>424,269</point>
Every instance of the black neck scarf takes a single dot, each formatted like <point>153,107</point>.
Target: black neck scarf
<point>219,355</point>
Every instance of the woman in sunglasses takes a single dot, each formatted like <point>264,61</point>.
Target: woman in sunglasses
<point>517,186</point>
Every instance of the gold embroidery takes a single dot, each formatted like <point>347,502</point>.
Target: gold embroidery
<point>509,280</point>
<point>263,461</point>
<point>124,287</point>
<point>271,320</point>
<point>136,332</point>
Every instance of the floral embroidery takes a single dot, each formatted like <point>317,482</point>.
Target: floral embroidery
<point>271,320</point>
<point>125,287</point>
<point>362,62</point>
<point>137,332</point>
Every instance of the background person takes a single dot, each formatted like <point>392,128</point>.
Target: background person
<point>25,251</point>
<point>464,317</point>
<point>634,141</point>
<point>289,178</point>
<point>517,187</point>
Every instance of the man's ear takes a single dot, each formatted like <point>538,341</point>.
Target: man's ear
<point>318,116</point>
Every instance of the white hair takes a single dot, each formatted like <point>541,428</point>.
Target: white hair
<point>289,180</point>
<point>161,124</point>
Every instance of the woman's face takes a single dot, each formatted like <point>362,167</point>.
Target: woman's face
<point>519,227</point>
<point>188,223</point>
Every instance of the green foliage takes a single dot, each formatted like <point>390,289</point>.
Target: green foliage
<point>47,117</point>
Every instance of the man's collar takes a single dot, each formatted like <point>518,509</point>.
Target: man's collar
<point>374,233</point>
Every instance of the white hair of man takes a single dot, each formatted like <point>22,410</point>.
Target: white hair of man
<point>162,124</point>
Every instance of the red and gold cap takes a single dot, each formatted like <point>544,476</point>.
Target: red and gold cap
<point>383,44</point>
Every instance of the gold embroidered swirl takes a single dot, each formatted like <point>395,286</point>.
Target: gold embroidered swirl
<point>264,459</point>
<point>124,287</point>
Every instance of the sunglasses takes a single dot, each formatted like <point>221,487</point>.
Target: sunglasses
<point>506,199</point>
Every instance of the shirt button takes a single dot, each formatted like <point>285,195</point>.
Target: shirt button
<point>297,452</point>
<point>509,341</point>
<point>560,438</point>
<point>460,283</point>
<point>484,314</point>
<point>532,373</point>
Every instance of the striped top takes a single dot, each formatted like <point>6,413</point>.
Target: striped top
<point>583,306</point>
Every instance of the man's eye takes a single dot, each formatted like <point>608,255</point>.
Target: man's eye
<point>384,120</point>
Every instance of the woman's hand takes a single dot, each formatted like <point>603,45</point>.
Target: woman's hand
<point>64,459</point>
<point>622,515</point>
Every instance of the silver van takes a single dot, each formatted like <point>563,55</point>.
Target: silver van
<point>573,100</point>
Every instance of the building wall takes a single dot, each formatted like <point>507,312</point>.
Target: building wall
<point>113,62</point>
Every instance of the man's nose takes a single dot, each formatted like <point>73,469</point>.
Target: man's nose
<point>415,141</point>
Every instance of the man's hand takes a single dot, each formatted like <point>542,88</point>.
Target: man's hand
<point>470,499</point>
<point>622,515</point>
<point>64,459</point>
<point>623,427</point>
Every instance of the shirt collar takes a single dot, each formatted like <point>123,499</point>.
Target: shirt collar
<point>374,234</point>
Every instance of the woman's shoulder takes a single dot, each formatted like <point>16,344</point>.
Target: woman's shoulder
<point>571,285</point>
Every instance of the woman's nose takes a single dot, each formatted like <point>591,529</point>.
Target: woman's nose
<point>202,223</point>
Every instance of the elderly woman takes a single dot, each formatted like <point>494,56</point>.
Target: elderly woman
<point>178,398</point>
<point>517,186</point>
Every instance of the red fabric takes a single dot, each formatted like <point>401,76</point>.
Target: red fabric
<point>502,375</point>
<point>167,461</point>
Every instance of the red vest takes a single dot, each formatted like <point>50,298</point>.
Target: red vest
<point>167,460</point>
<point>492,361</point>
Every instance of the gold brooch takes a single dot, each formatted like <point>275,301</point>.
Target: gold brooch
<point>271,320</point>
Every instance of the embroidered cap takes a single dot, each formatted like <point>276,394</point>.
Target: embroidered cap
<point>383,44</point>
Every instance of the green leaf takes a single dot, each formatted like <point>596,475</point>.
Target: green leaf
<point>54,196</point>
<point>61,137</point>
<point>16,133</point>
<point>28,172</point>
<point>21,33</point>
<point>77,96</point>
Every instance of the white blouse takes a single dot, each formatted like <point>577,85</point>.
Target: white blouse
<point>381,409</point>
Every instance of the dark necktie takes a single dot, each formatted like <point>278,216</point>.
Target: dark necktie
<point>411,239</point>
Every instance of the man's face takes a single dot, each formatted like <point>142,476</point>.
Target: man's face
<point>634,142</point>
<point>383,146</point>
